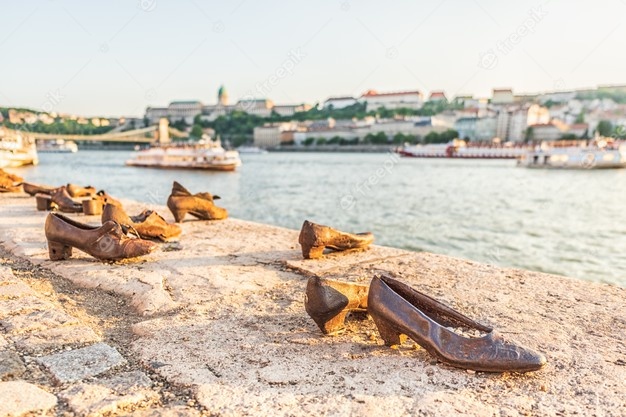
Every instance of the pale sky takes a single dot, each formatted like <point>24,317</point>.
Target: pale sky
<point>116,57</point>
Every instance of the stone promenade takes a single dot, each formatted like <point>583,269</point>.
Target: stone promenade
<point>215,325</point>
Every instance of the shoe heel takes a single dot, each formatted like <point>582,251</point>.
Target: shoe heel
<point>59,251</point>
<point>333,326</point>
<point>314,252</point>
<point>391,336</point>
<point>179,215</point>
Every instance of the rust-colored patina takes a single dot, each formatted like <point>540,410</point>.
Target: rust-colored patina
<point>328,302</point>
<point>200,205</point>
<point>147,225</point>
<point>314,238</point>
<point>399,311</point>
<point>107,242</point>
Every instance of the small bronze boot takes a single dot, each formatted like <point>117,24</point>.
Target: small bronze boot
<point>200,205</point>
<point>147,225</point>
<point>106,242</point>
<point>328,302</point>
<point>314,238</point>
<point>399,311</point>
<point>62,200</point>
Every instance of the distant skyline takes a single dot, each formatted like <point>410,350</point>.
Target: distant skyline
<point>116,58</point>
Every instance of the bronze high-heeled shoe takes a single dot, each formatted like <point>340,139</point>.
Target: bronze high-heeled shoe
<point>314,238</point>
<point>147,225</point>
<point>106,242</point>
<point>32,189</point>
<point>64,202</point>
<point>200,205</point>
<point>398,310</point>
<point>328,302</point>
<point>77,191</point>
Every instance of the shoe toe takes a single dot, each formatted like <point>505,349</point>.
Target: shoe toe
<point>138,247</point>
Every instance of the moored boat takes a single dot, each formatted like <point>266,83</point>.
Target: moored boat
<point>16,149</point>
<point>57,146</point>
<point>245,149</point>
<point>206,155</point>
<point>460,149</point>
<point>601,153</point>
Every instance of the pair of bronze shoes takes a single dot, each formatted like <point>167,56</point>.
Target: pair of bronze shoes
<point>181,202</point>
<point>107,242</point>
<point>400,311</point>
<point>314,238</point>
<point>73,190</point>
<point>10,183</point>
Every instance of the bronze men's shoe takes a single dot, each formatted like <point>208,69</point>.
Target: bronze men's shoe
<point>146,225</point>
<point>399,310</point>
<point>328,302</point>
<point>77,191</point>
<point>33,189</point>
<point>200,205</point>
<point>315,237</point>
<point>107,199</point>
<point>106,242</point>
<point>64,202</point>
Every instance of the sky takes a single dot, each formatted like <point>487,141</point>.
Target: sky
<point>115,57</point>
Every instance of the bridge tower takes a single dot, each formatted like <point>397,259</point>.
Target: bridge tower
<point>164,130</point>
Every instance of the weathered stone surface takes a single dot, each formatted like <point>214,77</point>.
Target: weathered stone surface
<point>3,342</point>
<point>56,337</point>
<point>244,341</point>
<point>11,290</point>
<point>6,275</point>
<point>36,320</point>
<point>109,395</point>
<point>11,365</point>
<point>18,398</point>
<point>79,364</point>
<point>179,411</point>
<point>22,305</point>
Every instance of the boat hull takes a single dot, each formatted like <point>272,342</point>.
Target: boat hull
<point>205,167</point>
<point>14,160</point>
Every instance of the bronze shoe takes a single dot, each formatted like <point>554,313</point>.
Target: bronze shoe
<point>328,302</point>
<point>107,199</point>
<point>315,237</point>
<point>64,202</point>
<point>92,207</point>
<point>398,310</point>
<point>7,185</point>
<point>12,177</point>
<point>77,191</point>
<point>200,205</point>
<point>32,189</point>
<point>106,242</point>
<point>146,225</point>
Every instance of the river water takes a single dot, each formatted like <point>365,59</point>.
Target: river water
<point>571,223</point>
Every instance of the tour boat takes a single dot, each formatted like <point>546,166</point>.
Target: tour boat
<point>245,149</point>
<point>599,154</point>
<point>16,149</point>
<point>57,146</point>
<point>460,149</point>
<point>205,154</point>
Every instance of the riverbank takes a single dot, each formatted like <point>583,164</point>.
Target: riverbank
<point>215,323</point>
<point>337,148</point>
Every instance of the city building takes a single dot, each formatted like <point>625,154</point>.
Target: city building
<point>339,102</point>
<point>394,100</point>
<point>502,96</point>
<point>437,96</point>
<point>544,131</point>
<point>291,109</point>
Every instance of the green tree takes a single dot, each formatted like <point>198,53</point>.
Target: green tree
<point>309,141</point>
<point>196,131</point>
<point>320,141</point>
<point>605,128</point>
<point>580,118</point>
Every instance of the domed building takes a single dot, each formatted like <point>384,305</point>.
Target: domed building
<point>222,96</point>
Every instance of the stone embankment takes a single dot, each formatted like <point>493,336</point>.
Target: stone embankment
<point>215,324</point>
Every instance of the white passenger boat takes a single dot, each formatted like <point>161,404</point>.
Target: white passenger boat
<point>245,149</point>
<point>461,149</point>
<point>57,146</point>
<point>598,154</point>
<point>205,154</point>
<point>16,149</point>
